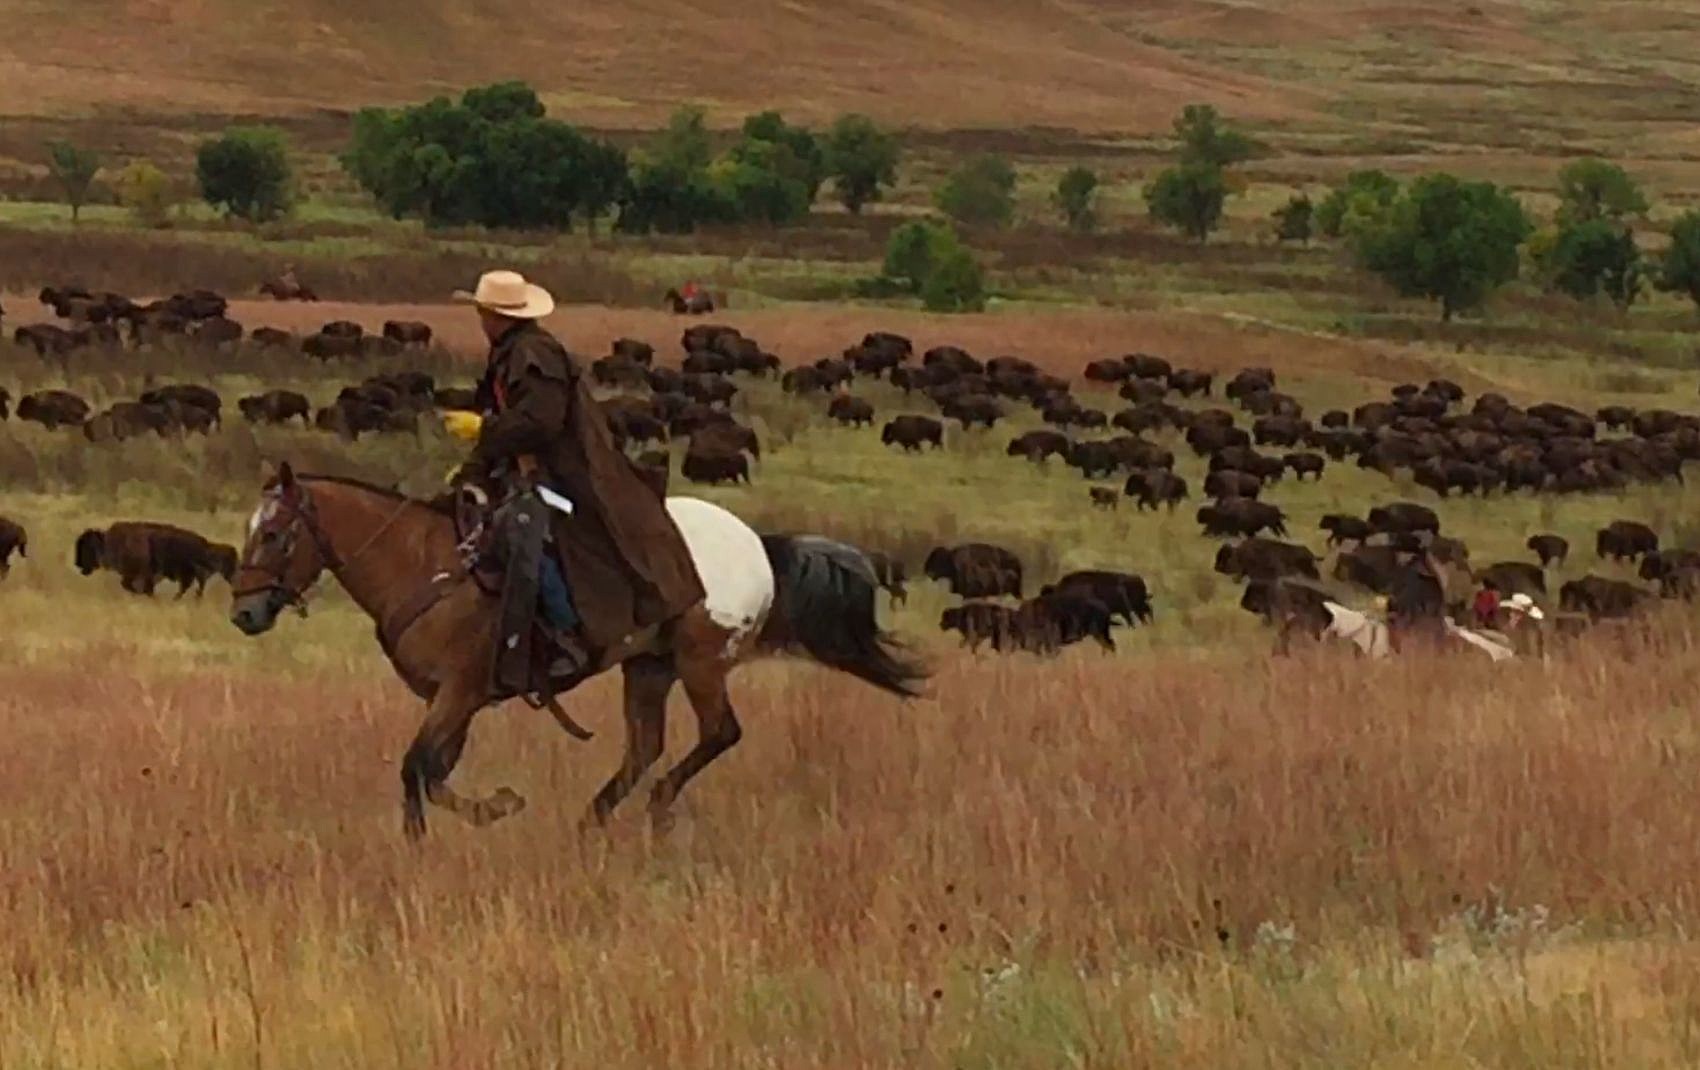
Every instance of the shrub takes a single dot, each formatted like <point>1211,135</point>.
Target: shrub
<point>914,249</point>
<point>955,284</point>
<point>1596,257</point>
<point>981,192</point>
<point>861,159</point>
<point>1361,201</point>
<point>804,159</point>
<point>1293,219</point>
<point>74,169</point>
<point>1447,240</point>
<point>1075,198</point>
<point>1189,198</point>
<point>1590,190</point>
<point>246,172</point>
<point>1205,140</point>
<point>147,193</point>
<point>1679,271</point>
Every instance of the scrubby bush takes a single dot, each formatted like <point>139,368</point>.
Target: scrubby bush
<point>1189,198</point>
<point>980,193</point>
<point>1075,199</point>
<point>246,172</point>
<point>1293,219</point>
<point>147,192</point>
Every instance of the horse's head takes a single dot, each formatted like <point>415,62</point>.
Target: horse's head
<point>285,553</point>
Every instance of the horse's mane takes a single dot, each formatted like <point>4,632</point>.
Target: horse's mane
<point>387,493</point>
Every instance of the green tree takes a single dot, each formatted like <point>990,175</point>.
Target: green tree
<point>763,182</point>
<point>146,192</point>
<point>1590,190</point>
<point>1362,200</point>
<point>1189,198</point>
<point>246,172</point>
<point>685,144</point>
<point>1075,199</point>
<point>955,284</point>
<point>1679,271</point>
<point>1206,140</point>
<point>914,249</point>
<point>981,192</point>
<point>492,158</point>
<point>1293,219</point>
<point>1597,257</point>
<point>74,169</point>
<point>861,159</point>
<point>807,162</point>
<point>1447,240</point>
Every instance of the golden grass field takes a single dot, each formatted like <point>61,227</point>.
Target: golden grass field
<point>1191,854</point>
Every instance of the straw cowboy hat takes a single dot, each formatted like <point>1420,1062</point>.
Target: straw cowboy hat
<point>508,294</point>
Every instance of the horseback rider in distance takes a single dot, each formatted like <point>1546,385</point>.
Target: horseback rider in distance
<point>588,539</point>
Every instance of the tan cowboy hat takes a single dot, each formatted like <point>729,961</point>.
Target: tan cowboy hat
<point>508,294</point>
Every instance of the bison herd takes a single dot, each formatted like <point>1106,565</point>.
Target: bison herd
<point>1250,442</point>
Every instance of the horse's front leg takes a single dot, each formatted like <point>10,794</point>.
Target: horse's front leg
<point>432,757</point>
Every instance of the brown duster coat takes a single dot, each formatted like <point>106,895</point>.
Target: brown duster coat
<point>625,562</point>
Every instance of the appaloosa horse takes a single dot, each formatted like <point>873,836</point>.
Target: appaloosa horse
<point>398,559</point>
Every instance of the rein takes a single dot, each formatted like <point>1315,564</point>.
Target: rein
<point>307,516</point>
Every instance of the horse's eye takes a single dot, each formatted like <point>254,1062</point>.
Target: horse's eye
<point>269,538</point>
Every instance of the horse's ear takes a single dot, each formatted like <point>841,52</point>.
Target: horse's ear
<point>286,485</point>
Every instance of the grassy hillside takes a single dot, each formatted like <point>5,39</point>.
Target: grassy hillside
<point>1412,70</point>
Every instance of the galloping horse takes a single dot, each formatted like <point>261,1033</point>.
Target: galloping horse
<point>398,559</point>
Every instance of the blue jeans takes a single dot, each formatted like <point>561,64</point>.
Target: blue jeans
<point>556,600</point>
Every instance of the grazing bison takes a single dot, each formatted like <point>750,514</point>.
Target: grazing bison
<point>46,339</point>
<point>53,409</point>
<point>326,345</point>
<point>1156,486</point>
<point>727,437</point>
<point>189,560</point>
<point>1601,598</point>
<point>1305,463</point>
<point>137,551</point>
<point>189,395</point>
<point>1265,559</point>
<point>1189,383</point>
<point>1052,621</point>
<point>1551,549</point>
<point>1661,564</point>
<point>1106,371</point>
<point>1290,607</point>
<point>972,409</point>
<point>975,570</point>
<point>713,466</point>
<point>349,418</point>
<point>276,407</point>
<point>1146,366</point>
<point>913,432</point>
<point>1374,568</point>
<point>271,338</point>
<point>1230,483</point>
<point>1228,517</point>
<point>1625,540</point>
<point>13,539</point>
<point>1124,593</point>
<point>851,412</point>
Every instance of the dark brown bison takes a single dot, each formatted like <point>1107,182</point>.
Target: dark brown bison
<point>727,437</point>
<point>143,553</point>
<point>972,409</point>
<point>1305,463</point>
<point>1230,483</point>
<point>1514,577</point>
<point>13,539</point>
<point>190,395</point>
<point>408,332</point>
<point>276,407</point>
<point>271,338</point>
<point>1403,517</point>
<point>1156,486</point>
<point>350,417</point>
<point>1551,549</point>
<point>913,432</point>
<point>1189,383</point>
<point>1106,371</point>
<point>1052,621</point>
<point>713,466</point>
<point>1373,568</point>
<point>1265,559</point>
<point>1146,366</point>
<point>1124,593</point>
<point>326,346</point>
<point>980,622</point>
<point>1290,607</point>
<point>1103,497</point>
<point>975,570</point>
<point>1659,564</point>
<point>1625,540</point>
<point>1229,517</point>
<point>129,419</point>
<point>1038,445</point>
<point>852,412</point>
<point>53,409</point>
<point>189,560</point>
<point>46,339</point>
<point>1342,528</point>
<point>1601,598</point>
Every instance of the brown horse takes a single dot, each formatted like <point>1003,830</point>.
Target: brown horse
<point>399,561</point>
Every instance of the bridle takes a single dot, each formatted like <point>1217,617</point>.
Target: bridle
<point>302,514</point>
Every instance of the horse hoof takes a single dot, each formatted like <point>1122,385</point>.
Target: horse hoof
<point>506,802</point>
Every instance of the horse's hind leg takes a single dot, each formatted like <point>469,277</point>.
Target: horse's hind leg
<point>432,757</point>
<point>702,659</point>
<point>648,680</point>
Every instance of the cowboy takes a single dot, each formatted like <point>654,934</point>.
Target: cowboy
<point>614,562</point>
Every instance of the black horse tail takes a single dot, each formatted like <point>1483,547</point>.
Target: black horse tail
<point>824,594</point>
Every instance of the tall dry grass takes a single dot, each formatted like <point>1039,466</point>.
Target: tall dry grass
<point>1198,862</point>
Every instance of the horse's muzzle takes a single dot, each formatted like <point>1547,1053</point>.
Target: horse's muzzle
<point>254,614</point>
